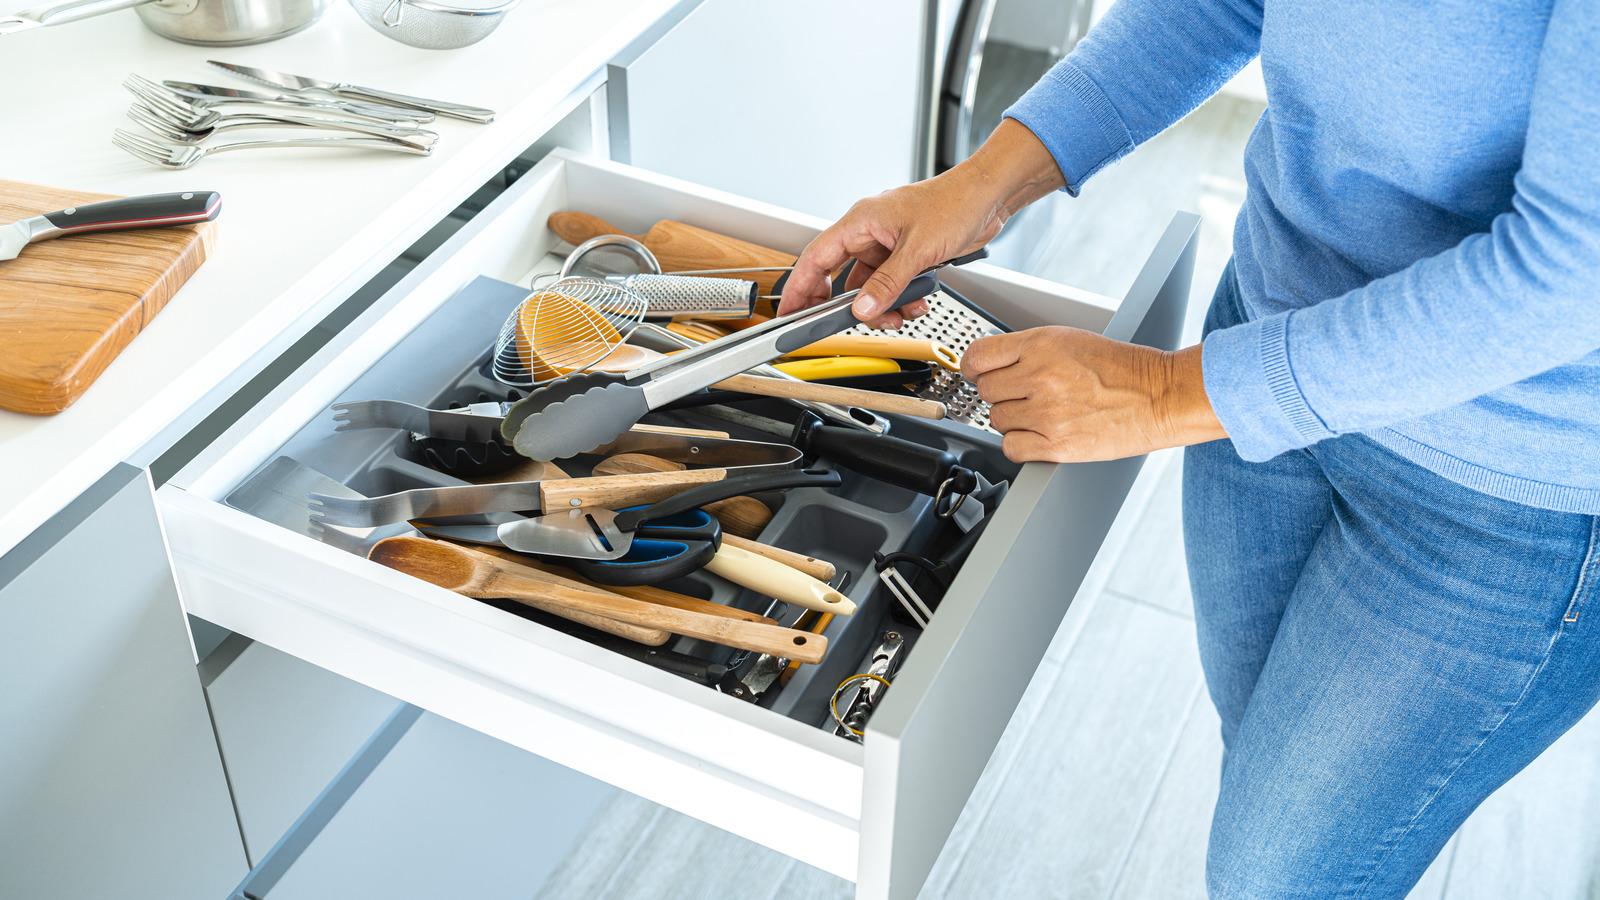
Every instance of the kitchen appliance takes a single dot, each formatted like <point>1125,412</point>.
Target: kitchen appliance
<point>68,307</point>
<point>431,25</point>
<point>220,23</point>
<point>356,92</point>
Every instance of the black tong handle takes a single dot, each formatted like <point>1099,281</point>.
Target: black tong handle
<point>894,460</point>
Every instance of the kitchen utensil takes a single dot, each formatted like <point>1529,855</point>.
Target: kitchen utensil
<point>169,130</point>
<point>884,662</point>
<point>565,327</point>
<point>607,491</point>
<point>474,574</point>
<point>278,492</point>
<point>700,332</point>
<point>813,622</point>
<point>686,249</point>
<point>830,367</point>
<point>955,322</point>
<point>220,23</point>
<point>610,254</point>
<point>431,25</point>
<point>646,593</point>
<point>68,307</point>
<point>356,92</point>
<point>210,95</point>
<point>917,467</point>
<point>170,156</point>
<point>743,516</point>
<point>163,110</point>
<point>882,346</point>
<point>593,533</point>
<point>583,411</point>
<point>682,295</point>
<point>673,546</point>
<point>942,570</point>
<point>148,211</point>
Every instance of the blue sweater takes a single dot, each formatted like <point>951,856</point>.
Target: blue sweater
<point>1419,248</point>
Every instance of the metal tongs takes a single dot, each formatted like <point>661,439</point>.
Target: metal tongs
<point>582,411</point>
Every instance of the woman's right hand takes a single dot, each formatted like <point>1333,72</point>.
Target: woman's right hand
<point>900,233</point>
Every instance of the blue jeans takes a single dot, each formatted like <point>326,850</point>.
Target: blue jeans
<point>1385,647</point>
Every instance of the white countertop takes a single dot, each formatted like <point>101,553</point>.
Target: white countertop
<point>299,230</point>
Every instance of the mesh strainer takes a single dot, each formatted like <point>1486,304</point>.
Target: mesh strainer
<point>433,25</point>
<point>564,327</point>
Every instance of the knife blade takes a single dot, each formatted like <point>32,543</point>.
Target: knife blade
<point>357,92</point>
<point>204,92</point>
<point>126,214</point>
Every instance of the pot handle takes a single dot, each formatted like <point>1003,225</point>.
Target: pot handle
<point>62,13</point>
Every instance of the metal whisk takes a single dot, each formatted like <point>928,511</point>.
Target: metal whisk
<point>564,327</point>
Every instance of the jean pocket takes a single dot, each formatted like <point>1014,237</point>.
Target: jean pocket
<point>1587,576</point>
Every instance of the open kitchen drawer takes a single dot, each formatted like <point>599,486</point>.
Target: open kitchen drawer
<point>877,812</point>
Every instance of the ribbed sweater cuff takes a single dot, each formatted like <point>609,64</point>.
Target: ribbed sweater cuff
<point>1075,121</point>
<point>1251,386</point>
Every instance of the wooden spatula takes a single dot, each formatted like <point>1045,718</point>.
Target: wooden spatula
<point>474,574</point>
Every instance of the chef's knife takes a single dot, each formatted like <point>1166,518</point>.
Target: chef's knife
<point>391,114</point>
<point>344,89</point>
<point>147,211</point>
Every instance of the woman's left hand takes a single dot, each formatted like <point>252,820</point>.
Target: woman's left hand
<point>1068,395</point>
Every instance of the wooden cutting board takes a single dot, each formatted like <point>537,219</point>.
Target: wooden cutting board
<point>69,306</point>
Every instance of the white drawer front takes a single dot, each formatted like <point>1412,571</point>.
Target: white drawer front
<point>777,780</point>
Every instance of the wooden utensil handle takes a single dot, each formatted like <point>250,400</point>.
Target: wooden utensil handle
<point>650,637</point>
<point>648,594</point>
<point>620,491</point>
<point>827,393</point>
<point>820,569</point>
<point>740,516</point>
<point>728,632</point>
<point>891,347</point>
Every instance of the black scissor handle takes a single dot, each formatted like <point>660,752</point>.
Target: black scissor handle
<point>648,561</point>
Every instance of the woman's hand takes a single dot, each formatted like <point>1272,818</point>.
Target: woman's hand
<point>1068,395</point>
<point>898,234</point>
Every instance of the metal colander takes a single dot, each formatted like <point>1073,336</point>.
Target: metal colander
<point>432,25</point>
<point>562,328</point>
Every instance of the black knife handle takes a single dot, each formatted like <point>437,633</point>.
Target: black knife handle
<point>696,497</point>
<point>148,211</point>
<point>897,461</point>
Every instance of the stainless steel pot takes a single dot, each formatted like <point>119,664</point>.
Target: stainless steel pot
<point>217,23</point>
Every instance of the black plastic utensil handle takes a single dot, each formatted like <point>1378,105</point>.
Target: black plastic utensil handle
<point>148,211</point>
<point>897,461</point>
<point>721,490</point>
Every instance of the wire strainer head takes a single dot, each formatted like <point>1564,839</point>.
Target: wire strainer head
<point>433,25</point>
<point>564,327</point>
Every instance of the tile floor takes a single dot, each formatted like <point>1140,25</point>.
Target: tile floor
<point>1103,784</point>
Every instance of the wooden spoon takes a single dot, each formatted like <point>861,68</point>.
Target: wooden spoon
<point>480,575</point>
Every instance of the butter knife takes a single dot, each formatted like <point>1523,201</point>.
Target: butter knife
<point>356,92</point>
<point>213,93</point>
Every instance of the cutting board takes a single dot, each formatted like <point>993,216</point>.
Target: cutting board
<point>69,306</point>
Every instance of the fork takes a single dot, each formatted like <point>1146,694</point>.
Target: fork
<point>164,126</point>
<point>178,157</point>
<point>192,113</point>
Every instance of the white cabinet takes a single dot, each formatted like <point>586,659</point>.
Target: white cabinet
<point>110,783</point>
<point>877,813</point>
<point>809,106</point>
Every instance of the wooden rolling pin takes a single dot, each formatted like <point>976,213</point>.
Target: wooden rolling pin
<point>475,574</point>
<point>679,247</point>
<point>820,569</point>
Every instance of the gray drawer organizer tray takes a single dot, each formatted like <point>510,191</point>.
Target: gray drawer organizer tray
<point>444,363</point>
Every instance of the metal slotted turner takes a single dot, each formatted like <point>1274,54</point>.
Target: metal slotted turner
<point>583,411</point>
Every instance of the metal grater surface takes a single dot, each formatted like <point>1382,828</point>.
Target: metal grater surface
<point>952,323</point>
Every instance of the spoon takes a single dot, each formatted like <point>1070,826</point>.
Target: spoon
<point>474,574</point>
